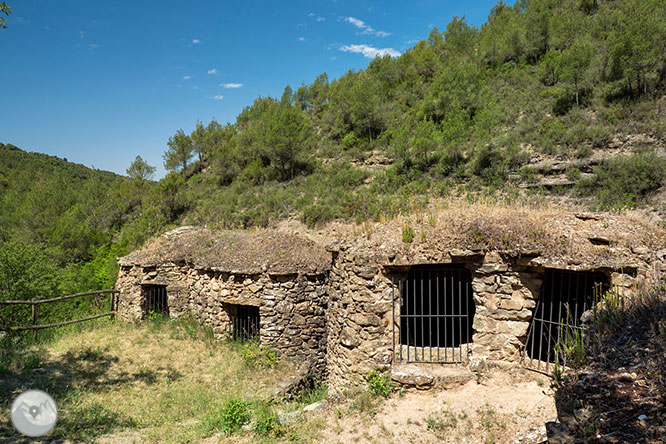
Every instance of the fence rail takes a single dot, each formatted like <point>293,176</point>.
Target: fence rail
<point>35,302</point>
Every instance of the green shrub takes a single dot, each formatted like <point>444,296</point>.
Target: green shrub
<point>256,355</point>
<point>267,422</point>
<point>625,181</point>
<point>228,417</point>
<point>380,383</point>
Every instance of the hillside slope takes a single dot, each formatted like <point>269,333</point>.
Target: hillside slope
<point>533,103</point>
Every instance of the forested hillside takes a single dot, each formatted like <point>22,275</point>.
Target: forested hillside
<point>467,112</point>
<point>60,229</point>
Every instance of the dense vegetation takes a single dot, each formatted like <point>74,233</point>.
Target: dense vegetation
<point>466,106</point>
<point>61,227</point>
<point>459,113</point>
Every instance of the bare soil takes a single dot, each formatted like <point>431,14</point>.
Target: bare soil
<point>499,408</point>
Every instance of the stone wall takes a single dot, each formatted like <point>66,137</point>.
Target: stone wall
<point>360,314</point>
<point>291,307</point>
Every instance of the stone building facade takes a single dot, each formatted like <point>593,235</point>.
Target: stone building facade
<point>472,296</point>
<point>280,300</point>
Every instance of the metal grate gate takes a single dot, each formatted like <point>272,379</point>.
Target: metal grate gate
<point>435,314</point>
<point>156,299</point>
<point>565,296</point>
<point>244,321</point>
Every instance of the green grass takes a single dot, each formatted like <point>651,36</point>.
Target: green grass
<point>160,381</point>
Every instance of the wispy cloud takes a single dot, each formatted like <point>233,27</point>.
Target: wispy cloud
<point>92,46</point>
<point>212,71</point>
<point>364,27</point>
<point>22,21</point>
<point>187,77</point>
<point>231,85</point>
<point>218,97</point>
<point>369,51</point>
<point>300,39</point>
<point>196,41</point>
<point>316,17</point>
<point>82,34</point>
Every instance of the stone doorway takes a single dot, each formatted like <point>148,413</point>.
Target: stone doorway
<point>436,313</point>
<point>565,296</point>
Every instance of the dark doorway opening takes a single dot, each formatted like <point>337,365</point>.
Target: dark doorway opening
<point>244,321</point>
<point>565,296</point>
<point>436,314</point>
<point>156,300</point>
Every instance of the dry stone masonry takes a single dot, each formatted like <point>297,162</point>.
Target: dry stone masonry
<point>339,307</point>
<point>290,296</point>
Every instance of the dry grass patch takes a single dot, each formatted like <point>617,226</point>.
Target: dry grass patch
<point>156,382</point>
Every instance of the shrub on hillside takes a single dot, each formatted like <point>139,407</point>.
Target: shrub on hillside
<point>625,181</point>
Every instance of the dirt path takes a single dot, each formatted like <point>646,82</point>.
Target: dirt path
<point>499,409</point>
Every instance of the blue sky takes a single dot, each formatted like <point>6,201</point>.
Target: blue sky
<point>100,82</point>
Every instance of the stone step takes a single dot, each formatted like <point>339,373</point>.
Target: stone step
<point>428,375</point>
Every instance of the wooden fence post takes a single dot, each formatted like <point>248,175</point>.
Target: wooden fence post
<point>34,318</point>
<point>111,295</point>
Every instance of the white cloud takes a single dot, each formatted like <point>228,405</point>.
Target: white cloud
<point>369,51</point>
<point>212,71</point>
<point>231,85</point>
<point>364,27</point>
<point>356,22</point>
<point>218,97</point>
<point>187,77</point>
<point>311,14</point>
<point>81,33</point>
<point>300,39</point>
<point>92,46</point>
<point>196,41</point>
<point>320,19</point>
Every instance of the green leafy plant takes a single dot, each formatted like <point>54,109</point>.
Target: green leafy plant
<point>255,354</point>
<point>380,383</point>
<point>228,417</point>
<point>267,422</point>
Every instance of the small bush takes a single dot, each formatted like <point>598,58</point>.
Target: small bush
<point>228,417</point>
<point>256,355</point>
<point>625,181</point>
<point>380,384</point>
<point>267,422</point>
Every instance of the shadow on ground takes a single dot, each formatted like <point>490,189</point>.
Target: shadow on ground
<point>620,394</point>
<point>66,378</point>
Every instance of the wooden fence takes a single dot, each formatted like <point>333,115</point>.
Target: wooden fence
<point>35,302</point>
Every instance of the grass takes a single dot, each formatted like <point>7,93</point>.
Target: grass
<point>161,381</point>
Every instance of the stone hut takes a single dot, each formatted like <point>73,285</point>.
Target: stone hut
<point>469,290</point>
<point>430,298</point>
<point>265,285</point>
